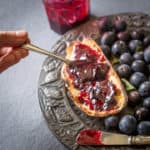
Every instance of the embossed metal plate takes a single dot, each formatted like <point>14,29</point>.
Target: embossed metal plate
<point>64,119</point>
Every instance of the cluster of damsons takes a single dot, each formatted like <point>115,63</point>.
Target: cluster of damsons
<point>131,52</point>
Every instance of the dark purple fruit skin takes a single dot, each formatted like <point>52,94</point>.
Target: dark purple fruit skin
<point>147,55</point>
<point>126,58</point>
<point>134,98</point>
<point>135,45</point>
<point>105,24</point>
<point>107,51</point>
<point>128,124</point>
<point>137,35</point>
<point>119,47</point>
<point>124,36</point>
<point>120,25</point>
<point>146,41</point>
<point>139,55</point>
<point>137,78</point>
<point>144,89</point>
<point>111,122</point>
<point>142,114</point>
<point>146,103</point>
<point>108,38</point>
<point>138,66</point>
<point>143,128</point>
<point>124,71</point>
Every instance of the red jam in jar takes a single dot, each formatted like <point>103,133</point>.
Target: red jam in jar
<point>64,14</point>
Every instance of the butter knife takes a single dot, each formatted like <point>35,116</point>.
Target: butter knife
<point>97,137</point>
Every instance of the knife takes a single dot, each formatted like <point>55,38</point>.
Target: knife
<point>98,137</point>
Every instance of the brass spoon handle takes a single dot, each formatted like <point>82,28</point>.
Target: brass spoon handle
<point>137,140</point>
<point>45,52</point>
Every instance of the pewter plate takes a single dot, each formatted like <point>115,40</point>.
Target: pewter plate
<point>64,119</point>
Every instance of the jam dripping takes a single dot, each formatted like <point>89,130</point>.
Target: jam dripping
<point>89,75</point>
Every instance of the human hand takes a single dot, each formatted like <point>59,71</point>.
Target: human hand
<point>10,51</point>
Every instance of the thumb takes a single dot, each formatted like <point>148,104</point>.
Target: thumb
<point>12,38</point>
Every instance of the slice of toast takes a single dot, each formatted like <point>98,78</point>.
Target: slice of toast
<point>119,97</point>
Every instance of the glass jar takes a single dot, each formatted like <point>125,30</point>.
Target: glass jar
<point>65,14</point>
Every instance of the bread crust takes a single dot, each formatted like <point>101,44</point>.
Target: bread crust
<point>120,96</point>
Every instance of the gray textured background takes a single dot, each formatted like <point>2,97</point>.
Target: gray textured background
<point>22,126</point>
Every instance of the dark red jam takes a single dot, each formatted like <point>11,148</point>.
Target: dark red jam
<point>84,52</point>
<point>98,95</point>
<point>90,137</point>
<point>88,71</point>
<point>89,75</point>
<point>65,14</point>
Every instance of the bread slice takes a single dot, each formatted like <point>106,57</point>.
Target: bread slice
<point>120,96</point>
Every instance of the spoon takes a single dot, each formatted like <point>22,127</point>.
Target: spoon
<point>45,52</point>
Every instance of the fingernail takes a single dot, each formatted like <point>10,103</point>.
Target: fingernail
<point>21,33</point>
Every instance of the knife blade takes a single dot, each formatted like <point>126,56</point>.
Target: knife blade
<point>98,137</point>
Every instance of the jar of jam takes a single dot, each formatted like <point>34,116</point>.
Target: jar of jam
<point>65,14</point>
